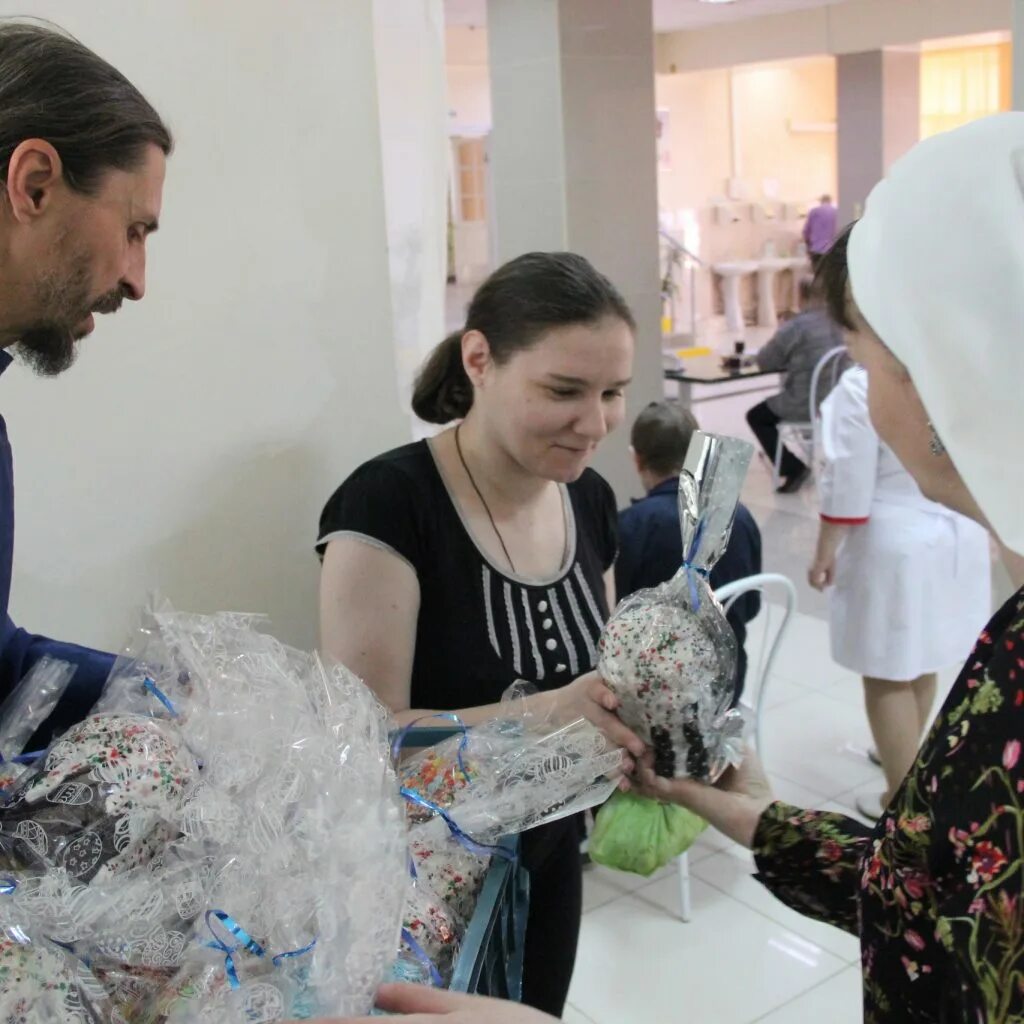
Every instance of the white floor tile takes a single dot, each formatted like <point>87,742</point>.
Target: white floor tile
<point>573,1016</point>
<point>638,963</point>
<point>838,1001</point>
<point>732,872</point>
<point>818,742</point>
<point>596,890</point>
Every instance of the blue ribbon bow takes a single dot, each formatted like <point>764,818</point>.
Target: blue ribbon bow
<point>160,695</point>
<point>246,943</point>
<point>691,570</point>
<point>421,954</point>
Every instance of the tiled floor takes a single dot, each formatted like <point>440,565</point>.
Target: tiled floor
<point>744,957</point>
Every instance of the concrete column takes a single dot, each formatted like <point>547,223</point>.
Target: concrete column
<point>409,52</point>
<point>573,159</point>
<point>879,112</point>
<point>1018,54</point>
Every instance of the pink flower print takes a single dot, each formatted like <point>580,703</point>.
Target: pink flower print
<point>914,940</point>
<point>977,906</point>
<point>958,840</point>
<point>1011,754</point>
<point>912,884</point>
<point>917,824</point>
<point>832,851</point>
<point>986,862</point>
<point>911,967</point>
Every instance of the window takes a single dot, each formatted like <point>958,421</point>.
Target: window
<point>962,85</point>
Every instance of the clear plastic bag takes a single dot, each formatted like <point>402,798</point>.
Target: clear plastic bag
<point>669,653</point>
<point>229,786</point>
<point>31,702</point>
<point>511,774</point>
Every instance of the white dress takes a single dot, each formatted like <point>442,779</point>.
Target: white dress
<point>912,579</point>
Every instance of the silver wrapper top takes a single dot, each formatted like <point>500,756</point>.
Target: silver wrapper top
<point>709,488</point>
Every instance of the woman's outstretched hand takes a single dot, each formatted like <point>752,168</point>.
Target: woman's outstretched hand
<point>434,1006</point>
<point>589,697</point>
<point>734,805</point>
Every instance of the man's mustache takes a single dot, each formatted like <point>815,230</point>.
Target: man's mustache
<point>111,302</point>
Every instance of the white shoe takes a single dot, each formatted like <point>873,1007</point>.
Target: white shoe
<point>869,807</point>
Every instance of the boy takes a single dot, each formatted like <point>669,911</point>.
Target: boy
<point>650,542</point>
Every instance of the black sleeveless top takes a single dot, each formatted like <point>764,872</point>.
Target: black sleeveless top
<point>480,627</point>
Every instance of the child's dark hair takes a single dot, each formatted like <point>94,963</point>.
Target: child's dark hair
<point>512,309</point>
<point>661,435</point>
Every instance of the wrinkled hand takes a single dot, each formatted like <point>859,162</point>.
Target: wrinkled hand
<point>734,805</point>
<point>433,1006</point>
<point>589,697</point>
<point>822,572</point>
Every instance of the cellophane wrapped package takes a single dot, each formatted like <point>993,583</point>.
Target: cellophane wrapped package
<point>512,773</point>
<point>668,652</point>
<point>222,839</point>
<point>670,656</point>
<point>25,709</point>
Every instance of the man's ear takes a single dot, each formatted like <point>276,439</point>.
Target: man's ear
<point>476,356</point>
<point>34,173</point>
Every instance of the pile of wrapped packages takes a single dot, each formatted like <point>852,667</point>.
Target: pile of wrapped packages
<point>229,837</point>
<point>238,832</point>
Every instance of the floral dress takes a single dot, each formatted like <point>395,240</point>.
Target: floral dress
<point>936,889</point>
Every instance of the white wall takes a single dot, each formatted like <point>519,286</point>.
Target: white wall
<point>409,43</point>
<point>192,447</point>
<point>850,27</point>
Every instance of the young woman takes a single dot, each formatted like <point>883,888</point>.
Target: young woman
<point>454,567</point>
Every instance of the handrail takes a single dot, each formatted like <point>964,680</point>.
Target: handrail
<point>679,247</point>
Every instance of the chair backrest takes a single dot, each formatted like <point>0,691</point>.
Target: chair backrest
<point>833,358</point>
<point>759,669</point>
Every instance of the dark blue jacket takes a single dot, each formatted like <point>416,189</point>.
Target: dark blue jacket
<point>651,552</point>
<point>20,650</point>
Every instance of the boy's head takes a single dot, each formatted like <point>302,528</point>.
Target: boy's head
<point>660,437</point>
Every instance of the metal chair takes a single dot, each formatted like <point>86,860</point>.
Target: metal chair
<point>804,435</point>
<point>758,675</point>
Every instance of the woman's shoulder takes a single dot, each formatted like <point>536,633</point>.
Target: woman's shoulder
<point>592,488</point>
<point>385,497</point>
<point>410,466</point>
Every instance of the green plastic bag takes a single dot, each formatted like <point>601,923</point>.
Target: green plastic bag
<point>633,833</point>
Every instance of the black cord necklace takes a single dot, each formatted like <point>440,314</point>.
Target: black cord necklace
<point>494,525</point>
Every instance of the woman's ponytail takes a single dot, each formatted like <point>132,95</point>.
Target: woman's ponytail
<point>442,391</point>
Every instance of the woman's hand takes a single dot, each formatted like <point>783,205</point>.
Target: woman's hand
<point>734,805</point>
<point>430,1005</point>
<point>589,697</point>
<point>822,572</point>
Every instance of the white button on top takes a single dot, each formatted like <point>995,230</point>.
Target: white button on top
<point>551,644</point>
<point>547,623</point>
<point>560,667</point>
<point>542,606</point>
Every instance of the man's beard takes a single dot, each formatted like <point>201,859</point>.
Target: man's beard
<point>49,346</point>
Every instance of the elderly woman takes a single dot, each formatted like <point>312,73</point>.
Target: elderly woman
<point>930,288</point>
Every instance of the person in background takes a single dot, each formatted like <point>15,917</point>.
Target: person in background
<point>82,157</point>
<point>650,541</point>
<point>820,231</point>
<point>910,579</point>
<point>456,566</point>
<point>794,351</point>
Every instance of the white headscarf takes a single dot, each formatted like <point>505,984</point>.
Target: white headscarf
<point>937,270</point>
